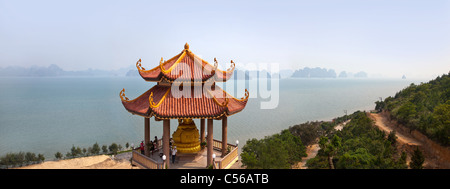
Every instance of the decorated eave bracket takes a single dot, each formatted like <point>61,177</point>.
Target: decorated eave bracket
<point>152,104</point>
<point>247,94</point>
<point>139,66</point>
<point>122,95</point>
<point>229,70</point>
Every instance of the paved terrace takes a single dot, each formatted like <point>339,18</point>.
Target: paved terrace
<point>188,161</point>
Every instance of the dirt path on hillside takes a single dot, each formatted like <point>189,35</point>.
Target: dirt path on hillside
<point>436,156</point>
<point>383,123</point>
<point>313,149</point>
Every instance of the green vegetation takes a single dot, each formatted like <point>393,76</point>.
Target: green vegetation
<point>310,131</point>
<point>22,158</point>
<point>359,145</point>
<point>278,151</point>
<point>114,148</point>
<point>330,148</point>
<point>424,107</point>
<point>417,159</point>
<point>281,151</point>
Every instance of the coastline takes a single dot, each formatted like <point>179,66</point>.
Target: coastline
<point>89,162</point>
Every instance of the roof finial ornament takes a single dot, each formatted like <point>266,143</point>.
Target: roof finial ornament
<point>122,95</point>
<point>215,64</point>
<point>186,46</point>
<point>139,66</point>
<point>231,69</point>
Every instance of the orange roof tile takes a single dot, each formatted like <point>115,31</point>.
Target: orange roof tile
<point>175,69</point>
<point>161,102</point>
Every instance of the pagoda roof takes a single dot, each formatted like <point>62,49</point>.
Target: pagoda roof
<point>163,103</point>
<point>185,66</point>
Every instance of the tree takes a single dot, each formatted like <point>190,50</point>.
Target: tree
<point>266,153</point>
<point>308,132</point>
<point>278,151</point>
<point>401,162</point>
<point>13,159</point>
<point>380,105</point>
<point>425,107</point>
<point>95,149</point>
<point>73,151</point>
<point>417,159</point>
<point>392,137</point>
<point>40,157</point>
<point>359,159</point>
<point>113,148</point>
<point>440,129</point>
<point>79,151</point>
<point>58,155</point>
<point>30,157</point>
<point>359,145</point>
<point>406,112</point>
<point>105,149</point>
<point>127,145</point>
<point>330,147</point>
<point>69,155</point>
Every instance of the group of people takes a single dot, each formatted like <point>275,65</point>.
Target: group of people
<point>154,146</point>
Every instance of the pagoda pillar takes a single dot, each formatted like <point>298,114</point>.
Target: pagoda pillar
<point>147,136</point>
<point>166,138</point>
<point>202,130</point>
<point>224,136</point>
<point>209,159</point>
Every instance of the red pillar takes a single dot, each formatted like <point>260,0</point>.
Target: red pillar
<point>202,130</point>
<point>166,137</point>
<point>147,136</point>
<point>224,135</point>
<point>209,152</point>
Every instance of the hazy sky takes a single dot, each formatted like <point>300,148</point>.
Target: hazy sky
<point>392,37</point>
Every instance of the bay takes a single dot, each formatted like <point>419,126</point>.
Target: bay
<point>51,114</point>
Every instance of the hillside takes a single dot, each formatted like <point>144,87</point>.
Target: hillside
<point>359,145</point>
<point>424,107</point>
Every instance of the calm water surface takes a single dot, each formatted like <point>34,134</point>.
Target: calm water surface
<point>47,115</point>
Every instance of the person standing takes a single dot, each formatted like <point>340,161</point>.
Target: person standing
<point>156,143</point>
<point>142,147</point>
<point>174,153</point>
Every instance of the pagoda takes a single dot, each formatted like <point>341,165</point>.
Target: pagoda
<point>185,90</point>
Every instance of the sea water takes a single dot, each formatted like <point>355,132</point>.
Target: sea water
<point>51,114</point>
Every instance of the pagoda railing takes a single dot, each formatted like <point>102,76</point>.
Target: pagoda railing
<point>148,163</point>
<point>217,144</point>
<point>144,161</point>
<point>227,159</point>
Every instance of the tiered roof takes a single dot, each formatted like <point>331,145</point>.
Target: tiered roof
<point>205,101</point>
<point>172,70</point>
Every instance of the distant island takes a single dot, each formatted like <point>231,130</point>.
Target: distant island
<point>55,71</point>
<point>131,71</point>
<point>324,73</point>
